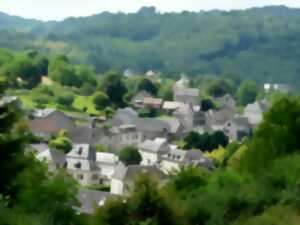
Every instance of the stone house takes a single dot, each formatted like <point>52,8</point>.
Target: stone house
<point>123,179</point>
<point>138,99</point>
<point>107,163</point>
<point>186,95</point>
<point>237,129</point>
<point>81,164</point>
<point>45,122</point>
<point>152,150</point>
<point>175,159</point>
<point>254,112</point>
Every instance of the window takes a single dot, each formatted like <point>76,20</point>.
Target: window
<point>95,177</point>
<point>77,165</point>
<point>79,176</point>
<point>79,151</point>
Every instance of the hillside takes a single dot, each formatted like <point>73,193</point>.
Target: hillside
<point>259,43</point>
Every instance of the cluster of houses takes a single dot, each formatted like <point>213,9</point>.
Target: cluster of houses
<point>151,136</point>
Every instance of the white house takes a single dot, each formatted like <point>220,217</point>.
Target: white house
<point>81,164</point>
<point>123,179</point>
<point>175,159</point>
<point>107,163</point>
<point>254,112</point>
<point>152,150</point>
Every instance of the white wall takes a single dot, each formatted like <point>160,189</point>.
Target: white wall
<point>148,158</point>
<point>116,187</point>
<point>168,166</point>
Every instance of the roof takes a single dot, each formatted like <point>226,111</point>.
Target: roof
<point>131,172</point>
<point>257,107</point>
<point>156,145</point>
<point>89,199</point>
<point>106,157</point>
<point>188,157</point>
<point>124,116</point>
<point>141,95</point>
<point>52,155</point>
<point>174,124</point>
<point>184,109</point>
<point>85,134</point>
<point>152,101</point>
<point>151,125</point>
<point>41,113</point>
<point>169,105</point>
<point>82,151</point>
<point>39,147</point>
<point>194,92</point>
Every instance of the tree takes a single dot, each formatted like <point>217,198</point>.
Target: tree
<point>66,99</point>
<point>220,87</point>
<point>61,142</point>
<point>147,85</point>
<point>247,92</point>
<point>130,156</point>
<point>100,100</point>
<point>207,104</point>
<point>115,88</point>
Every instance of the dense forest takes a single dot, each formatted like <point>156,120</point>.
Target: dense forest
<point>260,43</point>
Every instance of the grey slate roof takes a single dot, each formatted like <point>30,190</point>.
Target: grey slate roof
<point>39,147</point>
<point>84,134</point>
<point>155,146</point>
<point>89,199</point>
<point>194,92</point>
<point>52,155</point>
<point>124,116</point>
<point>131,172</point>
<point>151,125</point>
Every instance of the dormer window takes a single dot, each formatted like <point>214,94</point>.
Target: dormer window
<point>77,165</point>
<point>80,149</point>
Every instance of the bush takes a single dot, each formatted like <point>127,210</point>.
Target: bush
<point>100,100</point>
<point>66,99</point>
<point>130,156</point>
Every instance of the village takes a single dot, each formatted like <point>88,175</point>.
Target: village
<point>155,139</point>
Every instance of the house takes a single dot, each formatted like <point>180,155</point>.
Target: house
<point>46,122</point>
<point>170,106</point>
<point>226,102</point>
<point>107,163</point>
<point>152,150</point>
<point>55,159</point>
<point>89,200</point>
<point>138,99</point>
<point>176,129</point>
<point>122,136</point>
<point>150,128</point>
<point>278,87</point>
<point>215,119</point>
<point>86,134</point>
<point>186,95</point>
<point>237,129</point>
<point>123,179</point>
<point>124,116</point>
<point>154,103</point>
<point>182,83</point>
<point>81,164</point>
<point>185,116</point>
<point>254,112</point>
<point>128,73</point>
<point>175,159</point>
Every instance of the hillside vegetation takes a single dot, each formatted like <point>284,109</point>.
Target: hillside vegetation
<point>261,43</point>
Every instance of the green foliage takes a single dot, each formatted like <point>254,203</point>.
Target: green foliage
<point>207,104</point>
<point>130,155</point>
<point>147,112</point>
<point>115,88</point>
<point>100,100</point>
<point>206,142</point>
<point>147,85</point>
<point>247,92</point>
<point>66,99</point>
<point>220,87</point>
<point>61,142</point>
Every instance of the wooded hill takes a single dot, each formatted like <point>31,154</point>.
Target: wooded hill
<point>259,43</point>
